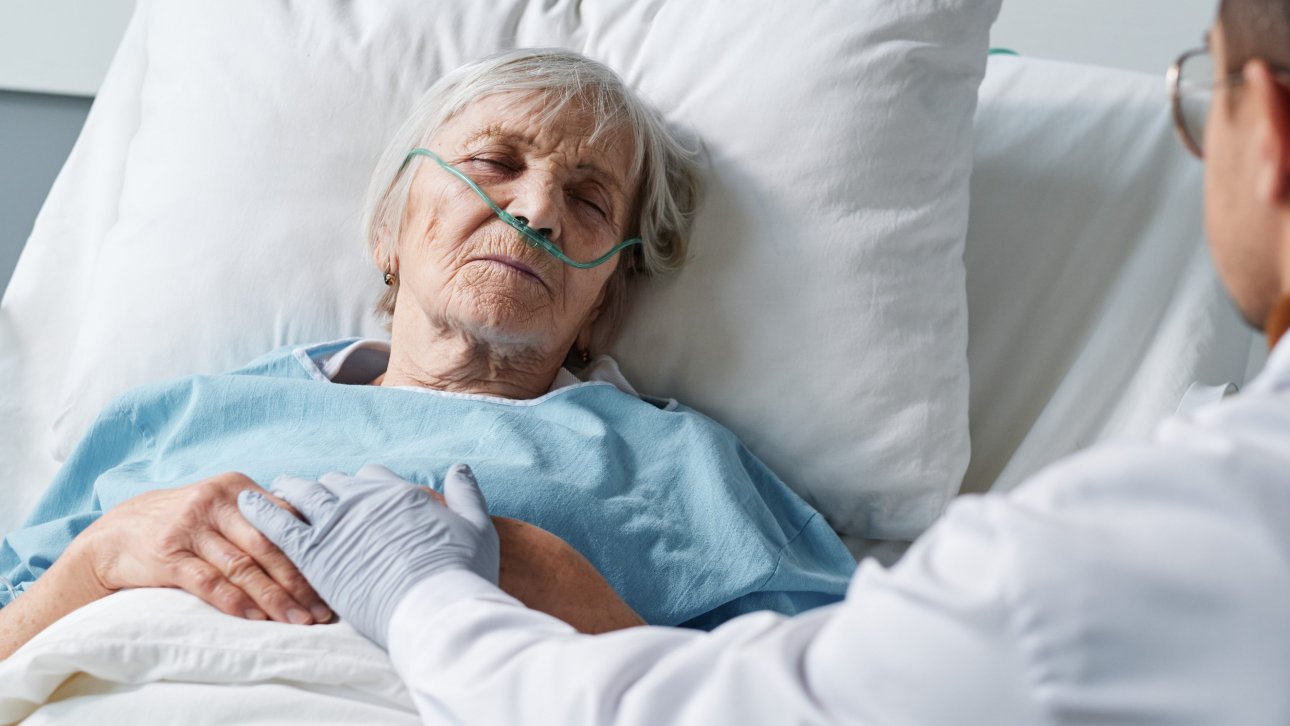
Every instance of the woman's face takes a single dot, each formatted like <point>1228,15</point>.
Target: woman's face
<point>463,268</point>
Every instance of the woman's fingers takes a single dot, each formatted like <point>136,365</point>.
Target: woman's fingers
<point>195,537</point>
<point>233,526</point>
<point>245,573</point>
<point>277,565</point>
<point>202,579</point>
<point>271,560</point>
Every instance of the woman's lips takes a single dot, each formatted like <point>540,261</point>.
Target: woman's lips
<point>517,266</point>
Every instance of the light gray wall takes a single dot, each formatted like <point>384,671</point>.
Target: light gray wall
<point>59,46</point>
<point>36,134</point>
<point>1137,35</point>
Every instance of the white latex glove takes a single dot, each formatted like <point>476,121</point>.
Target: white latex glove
<point>371,537</point>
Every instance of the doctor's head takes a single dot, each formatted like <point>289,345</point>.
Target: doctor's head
<point>1241,127</point>
<point>519,199</point>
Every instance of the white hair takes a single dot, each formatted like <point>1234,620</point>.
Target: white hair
<point>666,169</point>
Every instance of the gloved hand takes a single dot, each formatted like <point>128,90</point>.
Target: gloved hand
<point>370,538</point>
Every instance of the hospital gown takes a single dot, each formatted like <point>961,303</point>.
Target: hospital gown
<point>685,523</point>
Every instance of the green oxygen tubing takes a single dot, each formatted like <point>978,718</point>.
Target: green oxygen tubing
<point>531,236</point>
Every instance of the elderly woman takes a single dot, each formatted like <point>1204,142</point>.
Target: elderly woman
<point>507,218</point>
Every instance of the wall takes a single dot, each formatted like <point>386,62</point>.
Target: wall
<point>59,46</point>
<point>36,134</point>
<point>53,56</point>
<point>1140,35</point>
<point>63,46</point>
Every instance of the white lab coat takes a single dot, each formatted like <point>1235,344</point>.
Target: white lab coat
<point>1138,583</point>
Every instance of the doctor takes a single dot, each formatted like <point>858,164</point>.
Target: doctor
<point>1144,583</point>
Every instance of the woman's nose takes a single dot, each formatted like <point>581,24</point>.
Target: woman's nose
<point>539,204</point>
<point>544,231</point>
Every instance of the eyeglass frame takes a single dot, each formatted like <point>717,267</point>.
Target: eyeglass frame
<point>1173,84</point>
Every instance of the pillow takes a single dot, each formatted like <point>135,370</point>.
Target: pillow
<point>822,316</point>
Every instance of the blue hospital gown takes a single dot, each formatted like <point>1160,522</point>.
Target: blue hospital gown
<point>687,525</point>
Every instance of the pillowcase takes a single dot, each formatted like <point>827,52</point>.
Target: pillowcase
<point>822,316</point>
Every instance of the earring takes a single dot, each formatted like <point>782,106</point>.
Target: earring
<point>390,279</point>
<point>585,356</point>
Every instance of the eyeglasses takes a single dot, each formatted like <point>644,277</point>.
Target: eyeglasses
<point>1191,83</point>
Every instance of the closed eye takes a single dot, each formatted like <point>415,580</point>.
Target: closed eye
<point>496,165</point>
<point>595,207</point>
<point>591,198</point>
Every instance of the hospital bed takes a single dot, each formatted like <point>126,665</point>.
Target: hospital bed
<point>1092,310</point>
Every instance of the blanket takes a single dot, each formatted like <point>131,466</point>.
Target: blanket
<point>164,656</point>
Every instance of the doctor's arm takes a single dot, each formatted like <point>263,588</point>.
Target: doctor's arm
<point>925,643</point>
<point>928,642</point>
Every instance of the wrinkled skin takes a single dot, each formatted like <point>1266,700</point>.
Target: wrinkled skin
<point>477,308</point>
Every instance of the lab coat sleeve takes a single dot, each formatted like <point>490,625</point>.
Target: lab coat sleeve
<point>927,642</point>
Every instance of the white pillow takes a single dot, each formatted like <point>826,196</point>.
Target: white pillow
<point>822,316</point>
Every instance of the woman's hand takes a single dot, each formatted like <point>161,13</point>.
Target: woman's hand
<point>194,538</point>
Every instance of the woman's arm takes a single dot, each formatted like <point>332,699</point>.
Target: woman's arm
<point>546,574</point>
<point>69,584</point>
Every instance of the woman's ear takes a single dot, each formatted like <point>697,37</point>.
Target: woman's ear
<point>386,263</point>
<point>587,333</point>
<point>384,251</point>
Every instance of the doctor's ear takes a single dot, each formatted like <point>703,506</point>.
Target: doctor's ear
<point>1271,98</point>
